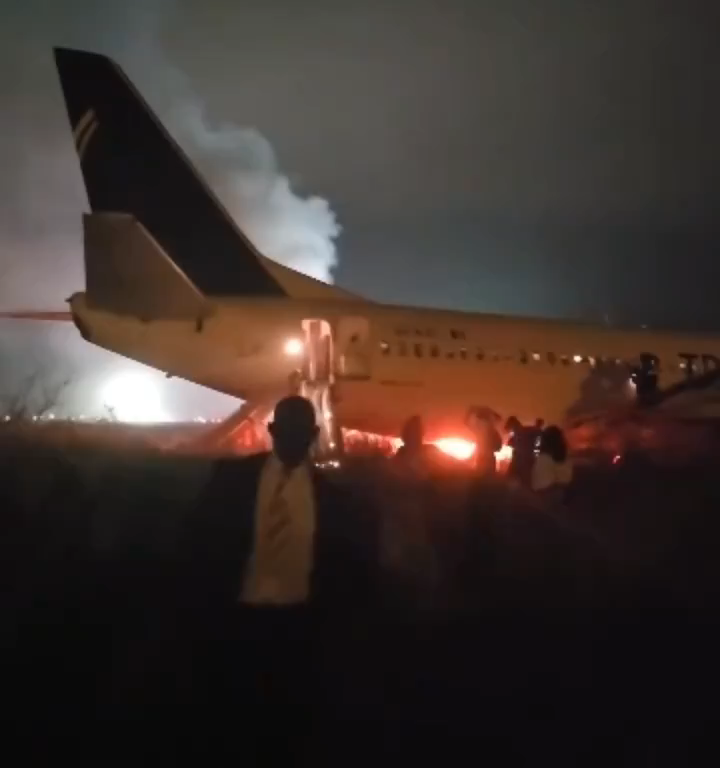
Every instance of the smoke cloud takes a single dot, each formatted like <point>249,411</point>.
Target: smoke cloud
<point>241,166</point>
<point>239,163</point>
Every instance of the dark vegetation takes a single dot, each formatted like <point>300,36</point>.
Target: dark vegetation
<point>507,633</point>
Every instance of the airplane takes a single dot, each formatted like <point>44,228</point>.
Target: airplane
<point>173,282</point>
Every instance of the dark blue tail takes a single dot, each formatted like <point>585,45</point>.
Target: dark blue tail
<point>131,165</point>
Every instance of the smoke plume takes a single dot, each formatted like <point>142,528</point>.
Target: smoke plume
<point>241,166</point>
<point>239,163</point>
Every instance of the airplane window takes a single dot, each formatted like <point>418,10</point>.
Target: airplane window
<point>455,334</point>
<point>402,349</point>
<point>523,357</point>
<point>552,358</point>
<point>463,353</point>
<point>536,357</point>
<point>434,350</point>
<point>450,354</point>
<point>418,350</point>
<point>384,348</point>
<point>686,364</point>
<point>564,359</point>
<point>577,358</point>
<point>479,355</point>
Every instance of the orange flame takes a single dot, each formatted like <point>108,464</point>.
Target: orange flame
<point>504,455</point>
<point>456,447</point>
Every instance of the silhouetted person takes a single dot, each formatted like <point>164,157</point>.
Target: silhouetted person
<point>537,432</point>
<point>553,471</point>
<point>276,551</point>
<point>488,442</point>
<point>415,454</point>
<point>522,441</point>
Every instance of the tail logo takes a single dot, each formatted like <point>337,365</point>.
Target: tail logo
<point>84,131</point>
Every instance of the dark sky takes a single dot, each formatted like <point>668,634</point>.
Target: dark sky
<point>551,158</point>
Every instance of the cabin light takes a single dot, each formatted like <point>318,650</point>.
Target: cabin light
<point>293,347</point>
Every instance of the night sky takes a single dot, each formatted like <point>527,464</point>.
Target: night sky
<point>554,158</point>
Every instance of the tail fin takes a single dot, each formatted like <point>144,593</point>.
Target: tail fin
<point>131,165</point>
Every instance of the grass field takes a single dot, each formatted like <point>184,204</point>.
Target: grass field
<point>505,630</point>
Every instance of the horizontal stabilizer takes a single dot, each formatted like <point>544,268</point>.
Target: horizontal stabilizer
<point>53,317</point>
<point>127,272</point>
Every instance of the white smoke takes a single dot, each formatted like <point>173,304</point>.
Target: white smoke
<point>240,165</point>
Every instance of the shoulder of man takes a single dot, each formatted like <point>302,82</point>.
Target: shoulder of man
<point>231,472</point>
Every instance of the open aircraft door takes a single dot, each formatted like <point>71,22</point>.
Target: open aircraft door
<point>317,380</point>
<point>353,348</point>
<point>318,367</point>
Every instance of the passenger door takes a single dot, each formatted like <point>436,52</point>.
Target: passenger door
<point>353,346</point>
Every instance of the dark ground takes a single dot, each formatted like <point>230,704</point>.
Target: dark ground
<point>586,636</point>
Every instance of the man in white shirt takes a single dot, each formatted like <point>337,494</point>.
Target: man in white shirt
<point>277,549</point>
<point>280,566</point>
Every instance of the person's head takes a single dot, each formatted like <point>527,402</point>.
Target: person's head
<point>413,432</point>
<point>513,424</point>
<point>552,442</point>
<point>293,430</point>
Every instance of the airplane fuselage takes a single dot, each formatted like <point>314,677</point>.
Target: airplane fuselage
<point>391,362</point>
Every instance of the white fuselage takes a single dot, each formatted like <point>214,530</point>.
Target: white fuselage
<point>432,362</point>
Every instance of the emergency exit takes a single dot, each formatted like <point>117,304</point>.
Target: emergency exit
<point>353,348</point>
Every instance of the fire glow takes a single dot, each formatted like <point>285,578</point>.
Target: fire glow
<point>455,447</point>
<point>253,437</point>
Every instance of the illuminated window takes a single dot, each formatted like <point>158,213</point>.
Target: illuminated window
<point>536,357</point>
<point>418,350</point>
<point>384,348</point>
<point>463,353</point>
<point>577,358</point>
<point>686,364</point>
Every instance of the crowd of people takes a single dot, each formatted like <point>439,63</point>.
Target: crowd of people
<point>540,459</point>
